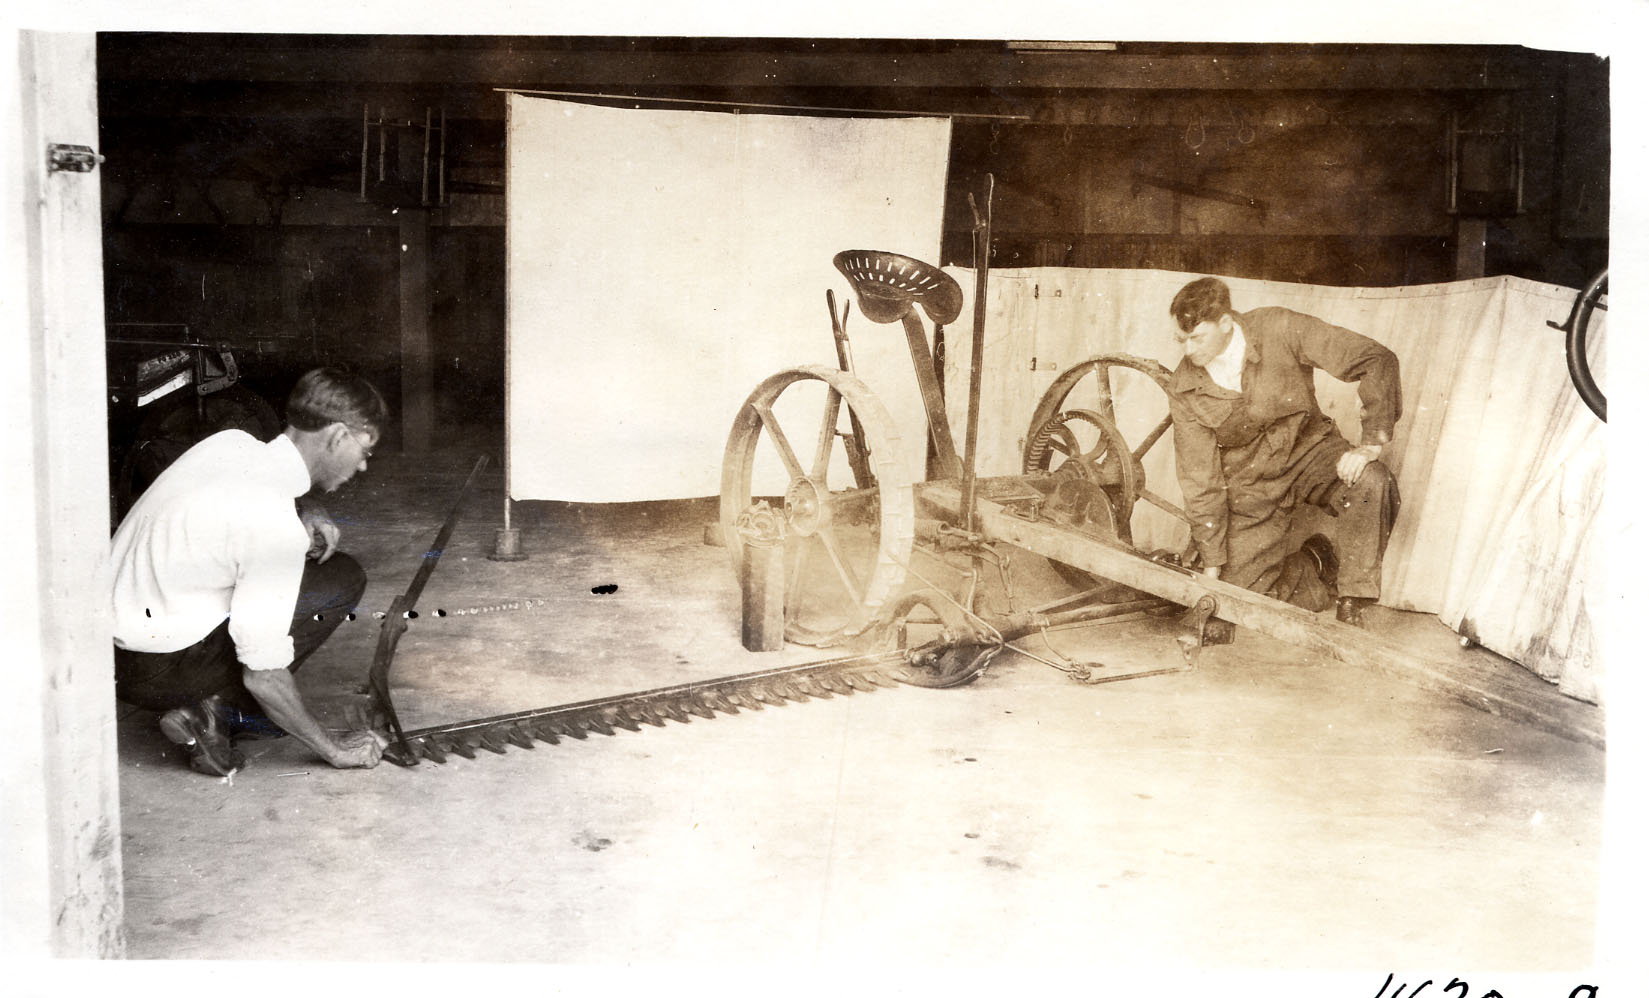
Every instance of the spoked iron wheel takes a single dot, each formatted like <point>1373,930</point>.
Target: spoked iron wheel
<point>1075,433</point>
<point>846,546</point>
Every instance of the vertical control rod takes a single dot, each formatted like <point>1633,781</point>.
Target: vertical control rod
<point>981,277</point>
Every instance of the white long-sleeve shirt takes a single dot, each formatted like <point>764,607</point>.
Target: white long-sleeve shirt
<point>217,535</point>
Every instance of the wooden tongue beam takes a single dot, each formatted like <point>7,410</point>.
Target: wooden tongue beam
<point>1536,704</point>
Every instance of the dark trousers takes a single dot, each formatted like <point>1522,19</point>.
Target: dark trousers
<point>164,680</point>
<point>1364,514</point>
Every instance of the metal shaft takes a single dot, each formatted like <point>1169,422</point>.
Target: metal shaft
<point>976,365</point>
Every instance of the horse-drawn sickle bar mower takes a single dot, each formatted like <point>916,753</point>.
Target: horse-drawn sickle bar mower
<point>840,540</point>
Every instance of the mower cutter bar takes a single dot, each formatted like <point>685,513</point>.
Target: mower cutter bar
<point>681,703</point>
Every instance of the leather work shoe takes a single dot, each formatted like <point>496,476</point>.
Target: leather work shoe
<point>1349,610</point>
<point>198,731</point>
<point>1321,552</point>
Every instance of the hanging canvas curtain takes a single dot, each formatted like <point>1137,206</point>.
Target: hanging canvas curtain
<point>663,262</point>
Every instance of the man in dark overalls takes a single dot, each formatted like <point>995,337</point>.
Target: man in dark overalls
<point>1252,446</point>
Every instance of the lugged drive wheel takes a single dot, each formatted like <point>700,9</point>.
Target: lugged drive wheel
<point>846,548</point>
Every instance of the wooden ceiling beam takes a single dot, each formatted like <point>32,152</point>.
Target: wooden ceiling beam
<point>269,60</point>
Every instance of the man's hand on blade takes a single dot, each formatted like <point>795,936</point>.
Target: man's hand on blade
<point>360,749</point>
<point>1353,461</point>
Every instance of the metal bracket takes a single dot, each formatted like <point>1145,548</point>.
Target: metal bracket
<point>1200,627</point>
<point>71,159</point>
<point>208,381</point>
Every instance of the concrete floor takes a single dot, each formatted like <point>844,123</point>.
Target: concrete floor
<point>1269,810</point>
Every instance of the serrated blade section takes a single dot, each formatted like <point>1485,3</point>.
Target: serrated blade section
<point>655,708</point>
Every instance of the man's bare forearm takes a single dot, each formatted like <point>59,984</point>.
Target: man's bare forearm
<point>277,692</point>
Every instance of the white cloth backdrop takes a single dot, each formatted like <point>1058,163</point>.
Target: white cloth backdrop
<point>663,262</point>
<point>1500,465</point>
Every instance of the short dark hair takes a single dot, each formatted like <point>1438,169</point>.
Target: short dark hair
<point>327,395</point>
<point>1203,300</point>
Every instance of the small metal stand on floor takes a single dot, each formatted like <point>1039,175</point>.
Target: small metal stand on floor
<point>507,540</point>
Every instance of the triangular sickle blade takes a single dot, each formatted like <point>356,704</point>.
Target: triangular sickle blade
<point>790,691</point>
<point>813,687</point>
<point>833,684</point>
<point>765,695</point>
<point>646,713</point>
<point>671,711</point>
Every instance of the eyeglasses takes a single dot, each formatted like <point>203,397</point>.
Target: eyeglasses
<point>358,435</point>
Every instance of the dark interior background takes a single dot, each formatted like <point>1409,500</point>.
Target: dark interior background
<point>259,189</point>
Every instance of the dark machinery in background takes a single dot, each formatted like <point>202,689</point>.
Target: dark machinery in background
<point>168,390</point>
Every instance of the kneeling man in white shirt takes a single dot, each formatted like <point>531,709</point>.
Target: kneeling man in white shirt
<point>222,587</point>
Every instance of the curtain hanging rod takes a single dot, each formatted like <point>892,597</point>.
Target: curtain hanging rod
<point>777,107</point>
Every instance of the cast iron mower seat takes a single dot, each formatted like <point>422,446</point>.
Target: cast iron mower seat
<point>887,284</point>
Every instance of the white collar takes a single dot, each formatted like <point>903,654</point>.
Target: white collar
<point>1226,369</point>
<point>291,467</point>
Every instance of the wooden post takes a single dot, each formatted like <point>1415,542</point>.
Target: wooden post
<point>1471,240</point>
<point>60,855</point>
<point>417,364</point>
